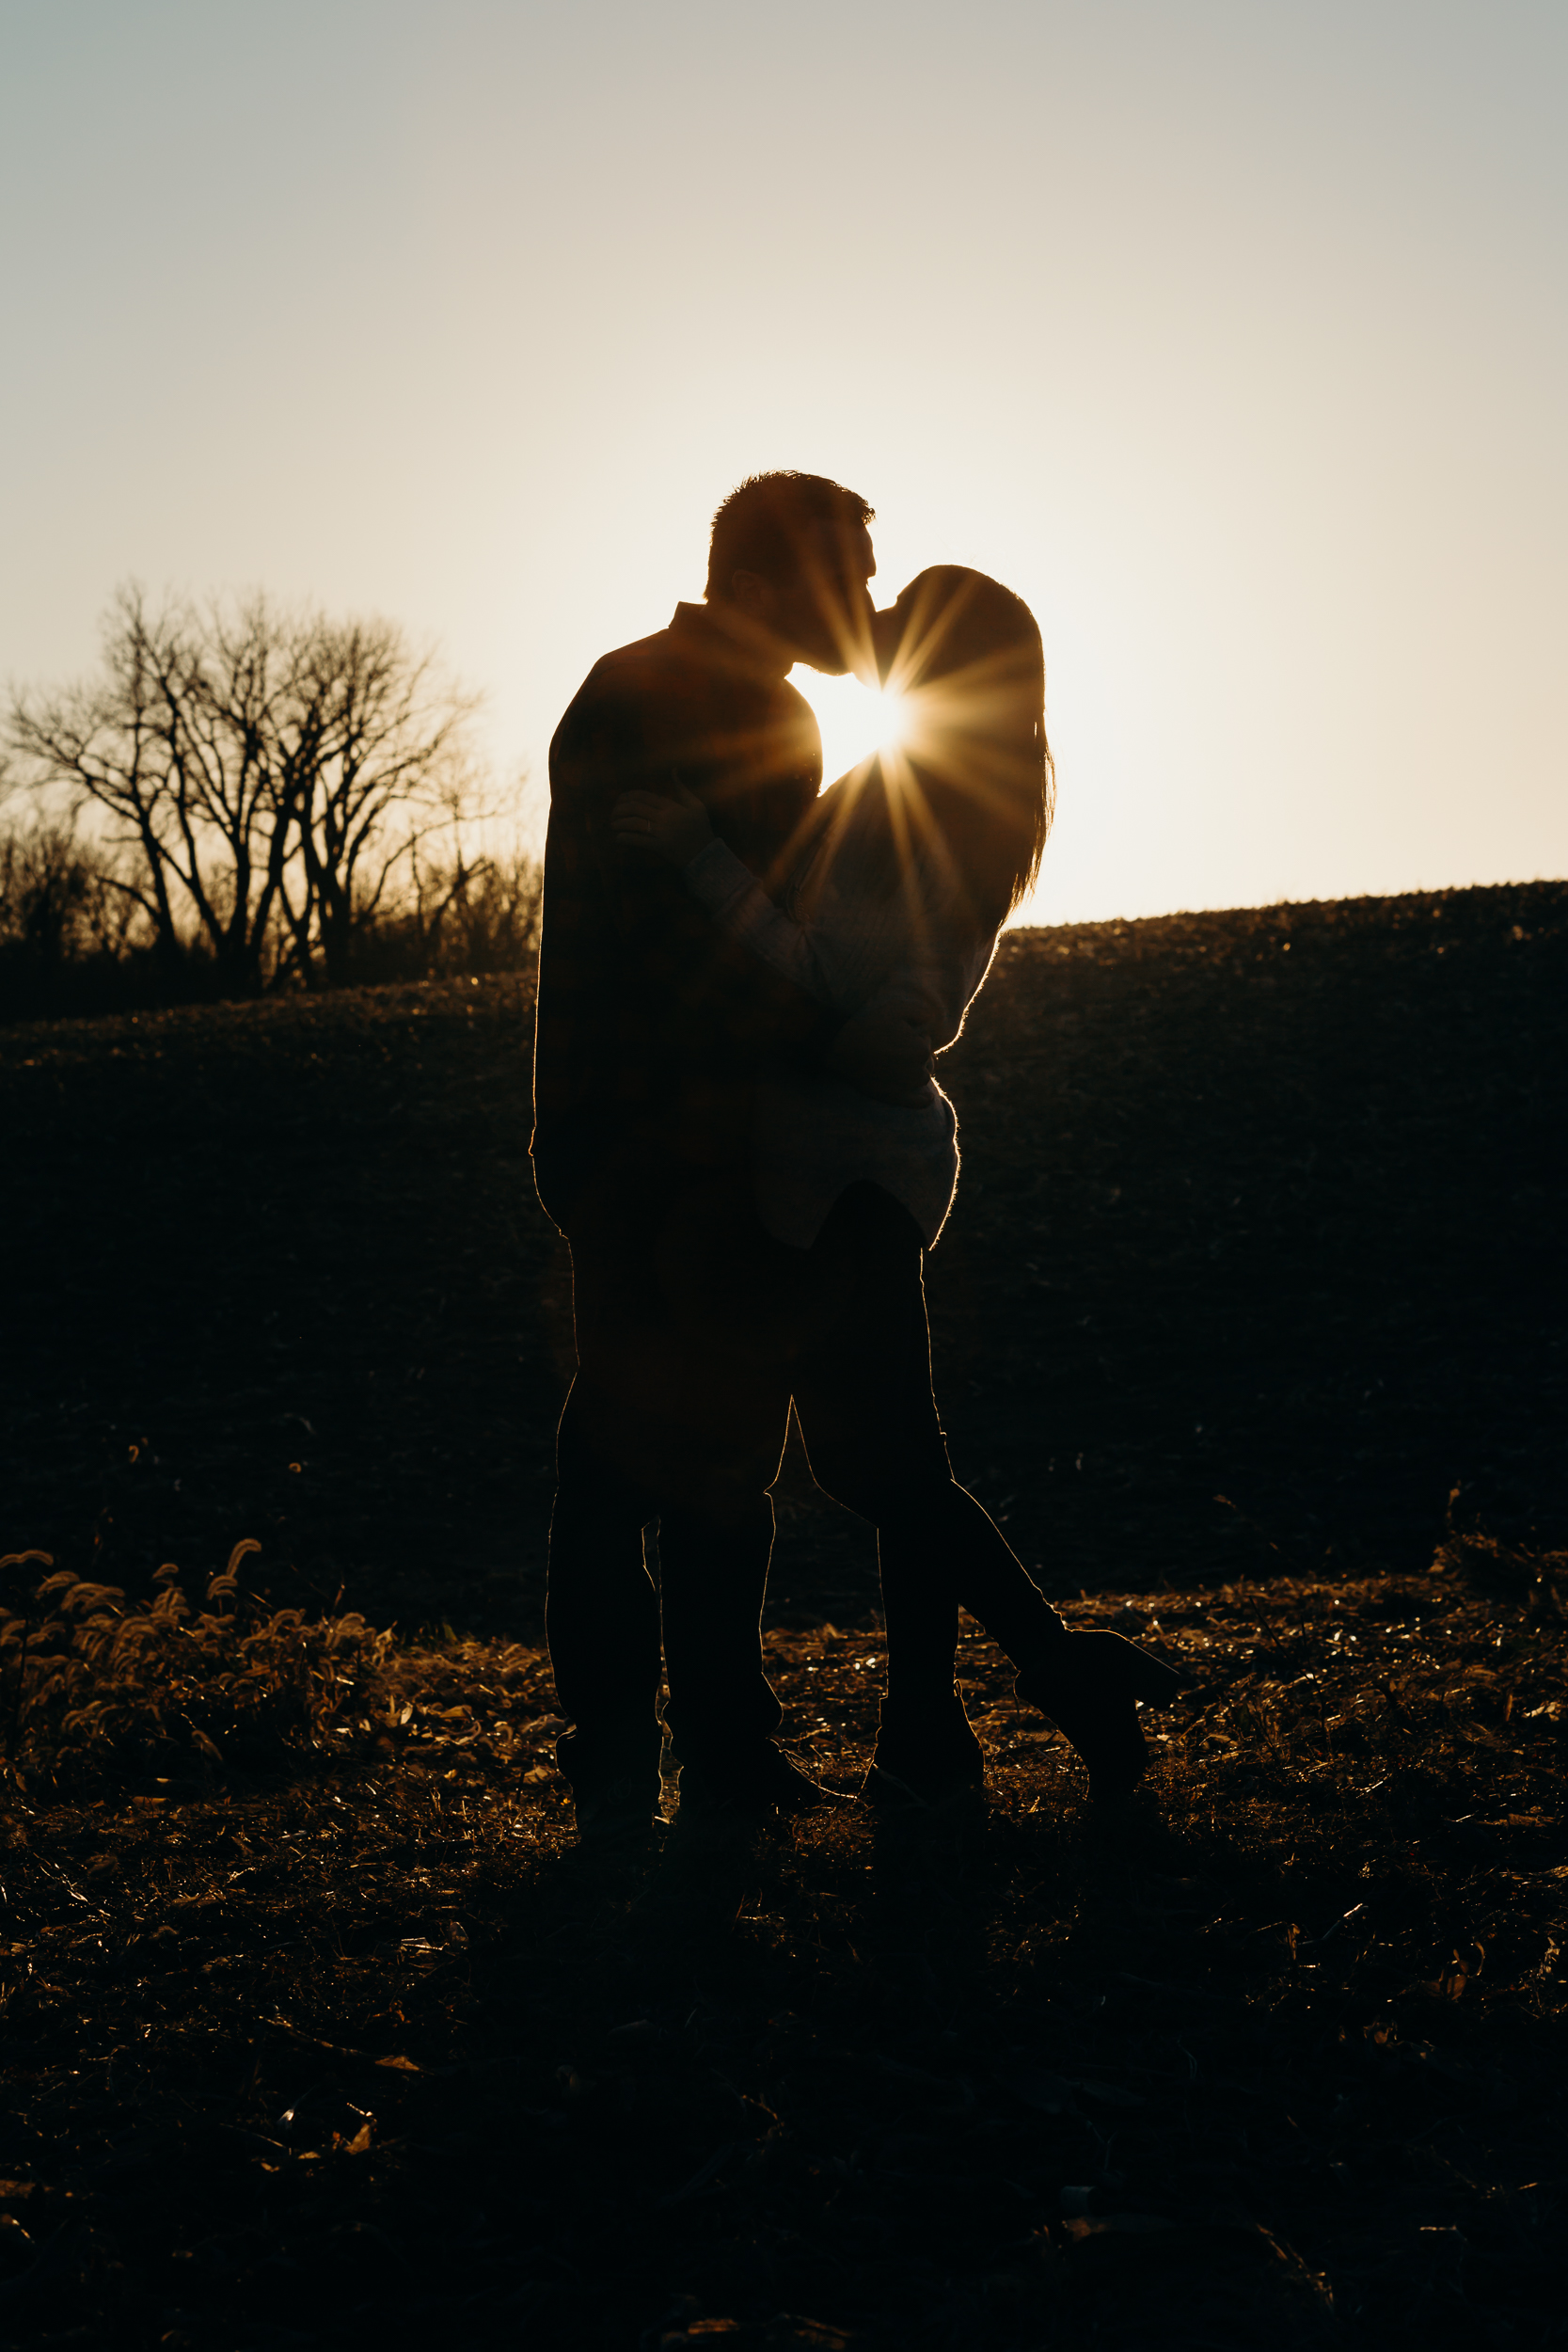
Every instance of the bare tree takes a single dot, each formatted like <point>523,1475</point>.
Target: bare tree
<point>59,903</point>
<point>266,773</point>
<point>379,759</point>
<point>479,915</point>
<point>168,743</point>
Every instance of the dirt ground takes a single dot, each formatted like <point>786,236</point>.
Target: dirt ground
<point>1249,1324</point>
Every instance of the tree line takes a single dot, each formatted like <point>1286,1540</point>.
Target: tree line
<point>245,799</point>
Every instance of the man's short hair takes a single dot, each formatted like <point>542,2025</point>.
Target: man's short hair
<point>760,526</point>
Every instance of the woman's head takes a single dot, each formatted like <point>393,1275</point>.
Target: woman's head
<point>963,655</point>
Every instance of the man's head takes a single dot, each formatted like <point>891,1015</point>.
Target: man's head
<point>790,559</point>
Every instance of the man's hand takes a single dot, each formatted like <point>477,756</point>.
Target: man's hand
<point>676,829</point>
<point>882,1055</point>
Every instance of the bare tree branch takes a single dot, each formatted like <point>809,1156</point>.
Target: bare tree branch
<point>273,775</point>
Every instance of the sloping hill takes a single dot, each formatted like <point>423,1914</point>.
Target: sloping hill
<point>1266,1206</point>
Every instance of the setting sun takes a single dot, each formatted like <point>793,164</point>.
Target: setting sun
<point>854,721</point>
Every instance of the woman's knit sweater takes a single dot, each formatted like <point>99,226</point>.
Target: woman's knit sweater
<point>851,947</point>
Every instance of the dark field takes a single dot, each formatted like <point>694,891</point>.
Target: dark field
<point>315,2035</point>
<point>1284,1226</point>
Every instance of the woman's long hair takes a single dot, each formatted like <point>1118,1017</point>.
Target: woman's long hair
<point>970,791</point>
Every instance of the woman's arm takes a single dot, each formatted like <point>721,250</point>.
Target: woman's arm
<point>882,1049</point>
<point>679,832</point>
<point>738,902</point>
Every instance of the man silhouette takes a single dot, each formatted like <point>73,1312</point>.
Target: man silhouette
<point>651,1030</point>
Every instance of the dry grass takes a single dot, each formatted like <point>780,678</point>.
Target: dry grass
<point>326,2037</point>
<point>100,1691</point>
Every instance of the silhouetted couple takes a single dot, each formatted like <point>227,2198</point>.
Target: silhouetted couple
<point>742,983</point>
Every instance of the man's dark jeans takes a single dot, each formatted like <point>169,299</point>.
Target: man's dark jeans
<point>694,1331</point>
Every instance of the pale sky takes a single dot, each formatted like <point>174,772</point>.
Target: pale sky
<point>1231,336</point>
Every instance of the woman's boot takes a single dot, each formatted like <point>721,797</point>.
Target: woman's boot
<point>1089,1684</point>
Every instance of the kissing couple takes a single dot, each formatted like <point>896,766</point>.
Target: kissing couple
<point>743,981</point>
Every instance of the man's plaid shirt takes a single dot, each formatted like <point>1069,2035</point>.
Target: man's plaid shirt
<point>651,1025</point>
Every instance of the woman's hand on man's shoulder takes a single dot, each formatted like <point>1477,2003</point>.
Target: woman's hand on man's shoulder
<point>655,824</point>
